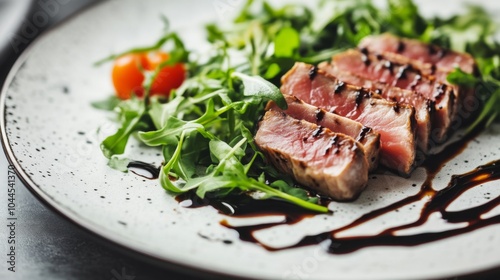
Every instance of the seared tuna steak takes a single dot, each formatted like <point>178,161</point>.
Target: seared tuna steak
<point>365,135</point>
<point>331,163</point>
<point>444,59</point>
<point>424,107</point>
<point>395,122</point>
<point>406,76</point>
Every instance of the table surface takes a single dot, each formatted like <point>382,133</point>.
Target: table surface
<point>47,245</point>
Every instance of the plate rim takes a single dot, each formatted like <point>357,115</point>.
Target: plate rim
<point>94,231</point>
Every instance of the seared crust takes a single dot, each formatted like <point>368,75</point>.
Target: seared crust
<point>424,107</point>
<point>331,163</point>
<point>365,135</point>
<point>395,122</point>
<point>442,58</point>
<point>403,73</point>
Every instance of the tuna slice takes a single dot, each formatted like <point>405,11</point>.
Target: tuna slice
<point>331,163</point>
<point>440,62</point>
<point>394,122</point>
<point>465,100</point>
<point>444,59</point>
<point>424,107</point>
<point>405,76</point>
<point>365,135</point>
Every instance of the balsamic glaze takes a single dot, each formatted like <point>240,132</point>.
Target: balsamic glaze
<point>135,166</point>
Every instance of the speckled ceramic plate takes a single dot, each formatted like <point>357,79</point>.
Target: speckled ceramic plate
<point>50,133</point>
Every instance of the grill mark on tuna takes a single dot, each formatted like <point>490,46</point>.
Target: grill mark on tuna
<point>431,50</point>
<point>433,69</point>
<point>389,66</point>
<point>317,132</point>
<point>401,47</point>
<point>319,114</point>
<point>441,89</point>
<point>359,97</point>
<point>396,108</point>
<point>415,82</point>
<point>364,56</point>
<point>430,105</point>
<point>313,72</point>
<point>333,142</point>
<point>365,59</point>
<point>402,72</point>
<point>362,134</point>
<point>338,87</point>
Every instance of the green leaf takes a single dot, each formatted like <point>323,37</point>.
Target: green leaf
<point>107,104</point>
<point>169,134</point>
<point>286,42</point>
<point>116,143</point>
<point>257,86</point>
<point>120,164</point>
<point>459,77</point>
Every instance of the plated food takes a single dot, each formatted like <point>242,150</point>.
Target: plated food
<point>388,100</point>
<point>392,86</point>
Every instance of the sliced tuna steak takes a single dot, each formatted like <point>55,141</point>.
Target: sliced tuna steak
<point>394,122</point>
<point>442,58</point>
<point>406,76</point>
<point>365,135</point>
<point>331,163</point>
<point>424,107</point>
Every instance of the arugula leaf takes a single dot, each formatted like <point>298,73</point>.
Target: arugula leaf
<point>257,86</point>
<point>107,104</point>
<point>461,78</point>
<point>132,118</point>
<point>286,42</point>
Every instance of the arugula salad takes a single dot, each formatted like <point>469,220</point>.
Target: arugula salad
<point>202,113</point>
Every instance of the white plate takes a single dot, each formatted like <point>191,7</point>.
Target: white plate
<point>50,134</point>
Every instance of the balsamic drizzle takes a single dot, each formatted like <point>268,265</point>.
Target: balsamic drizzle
<point>238,205</point>
<point>153,170</point>
<point>438,202</point>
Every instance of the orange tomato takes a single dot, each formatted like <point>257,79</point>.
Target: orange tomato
<point>128,74</point>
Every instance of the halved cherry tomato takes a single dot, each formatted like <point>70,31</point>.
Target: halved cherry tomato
<point>128,74</point>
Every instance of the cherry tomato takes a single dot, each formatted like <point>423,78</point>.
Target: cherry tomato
<point>128,74</point>
<point>169,77</point>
